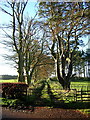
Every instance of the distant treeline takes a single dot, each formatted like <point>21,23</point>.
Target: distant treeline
<point>80,79</point>
<point>8,77</point>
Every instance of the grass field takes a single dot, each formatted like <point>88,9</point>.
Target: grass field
<point>55,85</point>
<point>9,81</point>
<point>74,85</point>
<point>81,85</point>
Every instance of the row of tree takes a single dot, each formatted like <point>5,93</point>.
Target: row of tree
<point>53,39</point>
<point>8,77</point>
<point>26,40</point>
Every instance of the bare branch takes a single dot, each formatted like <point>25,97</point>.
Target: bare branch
<point>3,10</point>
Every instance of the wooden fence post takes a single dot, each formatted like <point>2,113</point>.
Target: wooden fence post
<point>87,88</point>
<point>76,95</point>
<point>81,94</point>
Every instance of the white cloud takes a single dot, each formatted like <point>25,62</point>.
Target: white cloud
<point>7,70</point>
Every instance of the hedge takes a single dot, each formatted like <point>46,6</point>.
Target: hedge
<point>14,90</point>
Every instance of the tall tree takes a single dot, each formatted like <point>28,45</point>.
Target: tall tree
<point>34,45</point>
<point>65,23</point>
<point>17,13</point>
<point>26,41</point>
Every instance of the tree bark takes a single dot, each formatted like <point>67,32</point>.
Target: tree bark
<point>21,77</point>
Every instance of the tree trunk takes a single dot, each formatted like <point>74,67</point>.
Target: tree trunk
<point>66,85</point>
<point>63,81</point>
<point>21,77</point>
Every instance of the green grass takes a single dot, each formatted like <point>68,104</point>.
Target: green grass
<point>86,111</point>
<point>9,81</point>
<point>80,85</point>
<point>55,86</point>
<point>74,85</point>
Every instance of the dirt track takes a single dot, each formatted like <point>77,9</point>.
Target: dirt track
<point>45,113</point>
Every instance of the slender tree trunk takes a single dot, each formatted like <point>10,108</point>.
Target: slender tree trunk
<point>31,74</point>
<point>56,68</point>
<point>61,80</point>
<point>21,68</point>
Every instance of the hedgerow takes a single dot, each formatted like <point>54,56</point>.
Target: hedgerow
<point>14,90</point>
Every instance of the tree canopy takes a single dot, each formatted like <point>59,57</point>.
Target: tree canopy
<point>53,39</point>
<point>66,23</point>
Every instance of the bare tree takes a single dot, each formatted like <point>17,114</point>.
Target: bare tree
<point>26,41</point>
<point>17,11</point>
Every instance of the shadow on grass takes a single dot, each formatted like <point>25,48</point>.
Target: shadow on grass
<point>35,100</point>
<point>78,105</point>
<point>42,102</point>
<point>73,105</point>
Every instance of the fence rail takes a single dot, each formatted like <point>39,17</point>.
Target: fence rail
<point>77,95</point>
<point>83,95</point>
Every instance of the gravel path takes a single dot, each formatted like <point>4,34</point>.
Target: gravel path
<point>44,113</point>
